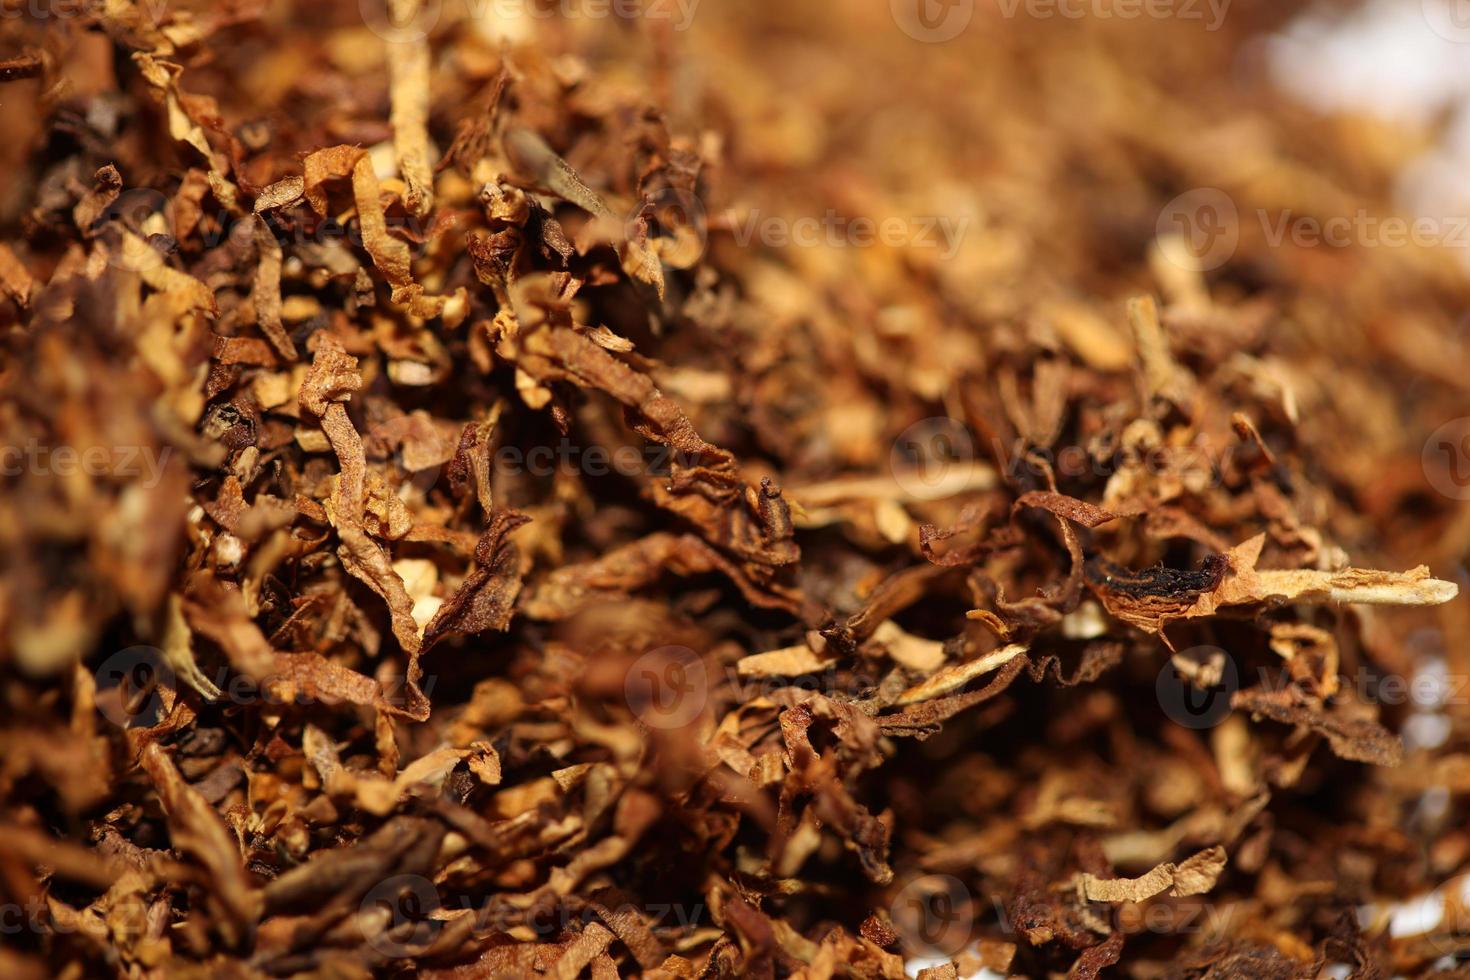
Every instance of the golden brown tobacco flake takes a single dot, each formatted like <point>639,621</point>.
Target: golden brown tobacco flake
<point>393,584</point>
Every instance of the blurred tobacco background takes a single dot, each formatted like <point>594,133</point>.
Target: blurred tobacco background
<point>687,488</point>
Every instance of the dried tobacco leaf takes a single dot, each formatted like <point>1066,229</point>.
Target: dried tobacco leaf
<point>645,489</point>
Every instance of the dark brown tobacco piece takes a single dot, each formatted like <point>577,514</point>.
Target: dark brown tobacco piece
<point>21,66</point>
<point>715,490</point>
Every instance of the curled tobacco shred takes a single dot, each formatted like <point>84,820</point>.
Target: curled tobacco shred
<point>458,520</point>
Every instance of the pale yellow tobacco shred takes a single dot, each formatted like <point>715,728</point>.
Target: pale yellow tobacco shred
<point>952,678</point>
<point>266,292</point>
<point>1193,876</point>
<point>408,85</point>
<point>790,661</point>
<point>1245,585</point>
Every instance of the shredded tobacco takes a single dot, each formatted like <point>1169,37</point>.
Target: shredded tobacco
<point>454,526</point>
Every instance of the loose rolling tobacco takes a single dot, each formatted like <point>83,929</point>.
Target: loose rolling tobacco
<point>446,533</point>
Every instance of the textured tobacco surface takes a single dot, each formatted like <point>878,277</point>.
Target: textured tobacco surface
<point>684,490</point>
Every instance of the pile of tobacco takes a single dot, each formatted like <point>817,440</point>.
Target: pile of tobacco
<point>520,488</point>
